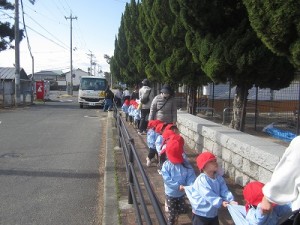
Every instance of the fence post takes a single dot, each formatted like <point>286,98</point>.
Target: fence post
<point>119,130</point>
<point>130,176</point>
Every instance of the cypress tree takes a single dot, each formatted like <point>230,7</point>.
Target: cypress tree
<point>223,43</point>
<point>277,24</point>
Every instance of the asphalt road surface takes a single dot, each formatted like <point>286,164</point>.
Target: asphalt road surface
<point>49,164</point>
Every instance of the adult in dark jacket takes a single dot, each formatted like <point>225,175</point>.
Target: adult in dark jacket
<point>109,96</point>
<point>144,92</point>
<point>135,94</point>
<point>163,106</point>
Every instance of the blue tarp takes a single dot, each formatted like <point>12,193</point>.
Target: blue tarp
<point>281,134</point>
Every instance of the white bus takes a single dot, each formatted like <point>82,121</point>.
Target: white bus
<point>91,91</point>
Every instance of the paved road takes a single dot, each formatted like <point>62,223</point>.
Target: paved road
<point>49,164</point>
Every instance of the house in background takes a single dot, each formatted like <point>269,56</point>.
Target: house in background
<point>77,74</point>
<point>59,79</point>
<point>53,76</point>
<point>7,87</point>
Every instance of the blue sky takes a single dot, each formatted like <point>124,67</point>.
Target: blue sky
<point>93,31</point>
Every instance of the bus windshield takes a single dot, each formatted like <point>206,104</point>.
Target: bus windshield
<point>95,84</point>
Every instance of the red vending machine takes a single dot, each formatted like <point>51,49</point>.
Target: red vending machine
<point>40,90</point>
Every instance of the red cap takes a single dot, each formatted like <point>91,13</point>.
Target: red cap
<point>135,104</point>
<point>167,134</point>
<point>253,194</point>
<point>178,138</point>
<point>204,158</point>
<point>159,128</point>
<point>169,126</point>
<point>153,123</point>
<point>174,150</point>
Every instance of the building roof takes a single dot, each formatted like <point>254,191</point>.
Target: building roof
<point>49,73</point>
<point>8,73</point>
<point>76,70</point>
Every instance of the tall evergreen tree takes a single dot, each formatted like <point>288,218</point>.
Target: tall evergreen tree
<point>142,60</point>
<point>134,41</point>
<point>221,40</point>
<point>146,25</point>
<point>7,31</point>
<point>120,59</point>
<point>277,24</point>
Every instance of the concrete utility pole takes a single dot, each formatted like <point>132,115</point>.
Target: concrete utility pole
<point>70,90</point>
<point>17,55</point>
<point>91,55</point>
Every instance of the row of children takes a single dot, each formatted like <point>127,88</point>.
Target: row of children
<point>207,192</point>
<point>132,112</point>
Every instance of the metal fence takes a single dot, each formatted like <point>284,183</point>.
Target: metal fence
<point>135,171</point>
<point>264,106</point>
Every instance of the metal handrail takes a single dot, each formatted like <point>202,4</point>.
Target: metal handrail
<point>134,190</point>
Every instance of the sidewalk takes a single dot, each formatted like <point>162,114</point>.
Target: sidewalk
<point>127,211</point>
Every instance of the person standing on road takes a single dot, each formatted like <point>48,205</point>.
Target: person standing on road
<point>145,97</point>
<point>163,106</point>
<point>109,96</point>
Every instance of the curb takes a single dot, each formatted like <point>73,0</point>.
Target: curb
<point>110,204</point>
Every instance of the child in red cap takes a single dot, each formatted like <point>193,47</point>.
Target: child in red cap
<point>176,173</point>
<point>253,196</point>
<point>130,111</point>
<point>125,107</point>
<point>209,191</point>
<point>136,115</point>
<point>165,131</point>
<point>151,138</point>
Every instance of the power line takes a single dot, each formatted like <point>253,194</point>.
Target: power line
<point>47,38</point>
<point>45,16</point>
<point>59,9</point>
<point>66,10</point>
<point>47,31</point>
<point>40,34</point>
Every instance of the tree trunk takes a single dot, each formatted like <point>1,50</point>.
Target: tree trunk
<point>191,99</point>
<point>239,108</point>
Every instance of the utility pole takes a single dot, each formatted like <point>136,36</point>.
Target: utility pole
<point>17,54</point>
<point>70,90</point>
<point>91,55</point>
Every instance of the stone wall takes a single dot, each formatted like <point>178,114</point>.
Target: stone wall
<point>244,157</point>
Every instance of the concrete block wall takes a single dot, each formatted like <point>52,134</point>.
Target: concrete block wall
<point>243,157</point>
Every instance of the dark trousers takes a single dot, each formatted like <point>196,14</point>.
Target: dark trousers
<point>176,206</point>
<point>161,160</point>
<point>107,104</point>
<point>130,118</point>
<point>152,153</point>
<point>200,220</point>
<point>144,119</point>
